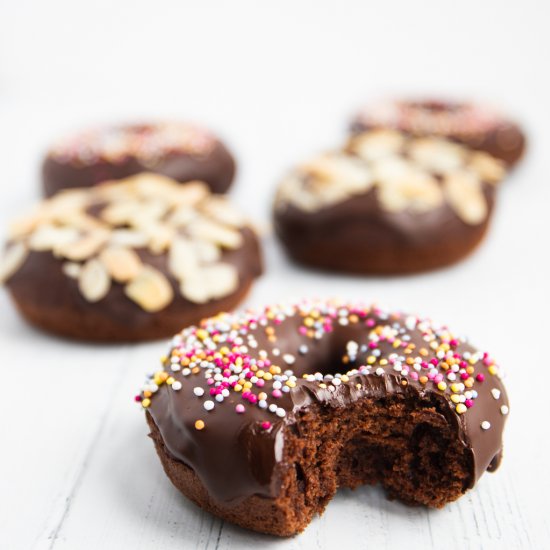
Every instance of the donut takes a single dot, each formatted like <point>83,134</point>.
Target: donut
<point>387,203</point>
<point>129,260</point>
<point>480,127</point>
<point>178,150</point>
<point>260,416</point>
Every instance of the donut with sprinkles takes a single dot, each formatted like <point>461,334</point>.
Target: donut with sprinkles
<point>260,416</point>
<point>179,150</point>
<point>480,127</point>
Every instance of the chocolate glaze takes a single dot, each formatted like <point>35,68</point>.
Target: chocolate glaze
<point>472,125</point>
<point>58,305</point>
<point>216,167</point>
<point>359,236</point>
<point>235,458</point>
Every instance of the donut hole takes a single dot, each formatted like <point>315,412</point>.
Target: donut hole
<point>405,444</point>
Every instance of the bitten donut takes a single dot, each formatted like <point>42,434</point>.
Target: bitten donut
<point>178,150</point>
<point>388,203</point>
<point>478,127</point>
<point>129,260</point>
<point>260,417</point>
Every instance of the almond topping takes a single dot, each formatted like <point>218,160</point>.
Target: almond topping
<point>151,290</point>
<point>123,264</point>
<point>464,193</point>
<point>12,259</point>
<point>94,281</point>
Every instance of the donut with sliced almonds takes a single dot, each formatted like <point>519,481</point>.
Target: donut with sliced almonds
<point>129,260</point>
<point>387,203</point>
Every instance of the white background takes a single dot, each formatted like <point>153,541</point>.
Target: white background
<point>278,82</point>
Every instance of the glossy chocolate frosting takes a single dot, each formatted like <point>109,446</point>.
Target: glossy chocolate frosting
<point>361,354</point>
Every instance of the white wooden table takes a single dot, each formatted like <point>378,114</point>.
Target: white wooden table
<point>76,468</point>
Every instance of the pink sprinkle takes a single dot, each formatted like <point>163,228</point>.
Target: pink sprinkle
<point>434,361</point>
<point>438,378</point>
<point>373,345</point>
<point>260,383</point>
<point>370,322</point>
<point>464,376</point>
<point>301,330</point>
<point>240,408</point>
<point>453,342</point>
<point>252,398</point>
<point>137,398</point>
<point>414,375</point>
<point>210,381</point>
<point>480,377</point>
<point>266,425</point>
<point>468,403</point>
<point>277,393</point>
<point>431,375</point>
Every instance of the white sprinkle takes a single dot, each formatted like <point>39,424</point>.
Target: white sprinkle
<point>176,385</point>
<point>186,372</point>
<point>496,393</point>
<point>276,352</point>
<point>262,403</point>
<point>485,425</point>
<point>208,405</point>
<point>219,398</point>
<point>175,367</point>
<point>289,359</point>
<point>504,409</point>
<point>379,371</point>
<point>272,407</point>
<point>303,349</point>
<point>281,412</point>
<point>199,392</point>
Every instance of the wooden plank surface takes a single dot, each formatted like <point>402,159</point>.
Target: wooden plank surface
<point>77,470</point>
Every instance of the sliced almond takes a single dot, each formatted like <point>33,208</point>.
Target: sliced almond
<point>151,290</point>
<point>26,224</point>
<point>151,186</point>
<point>207,252</point>
<point>418,192</point>
<point>121,212</point>
<point>129,237</point>
<point>182,216</point>
<point>377,144</point>
<point>12,259</point>
<point>345,171</point>
<point>160,236</point>
<point>221,279</point>
<point>183,260</point>
<point>464,193</point>
<point>488,168</point>
<point>190,193</point>
<point>72,269</point>
<point>437,155</point>
<point>391,169</point>
<point>123,264</point>
<point>221,210</point>
<point>50,237</point>
<point>83,248</point>
<point>195,290</point>
<point>94,281</point>
<point>208,230</point>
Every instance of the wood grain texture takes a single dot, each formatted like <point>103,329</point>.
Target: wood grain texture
<point>77,470</point>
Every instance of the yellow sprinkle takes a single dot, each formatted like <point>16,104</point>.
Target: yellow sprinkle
<point>202,334</point>
<point>260,373</point>
<point>308,322</point>
<point>455,398</point>
<point>455,388</point>
<point>267,376</point>
<point>371,359</point>
<point>170,380</point>
<point>423,352</point>
<point>262,395</point>
<point>423,379</point>
<point>147,393</point>
<point>145,403</point>
<point>344,378</point>
<point>442,386</point>
<point>383,362</point>
<point>470,370</point>
<point>274,369</point>
<point>291,384</point>
<point>324,386</point>
<point>469,382</point>
<point>247,385</point>
<point>199,424</point>
<point>461,408</point>
<point>493,369</point>
<point>238,387</point>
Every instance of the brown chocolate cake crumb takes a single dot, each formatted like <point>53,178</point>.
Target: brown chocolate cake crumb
<point>259,418</point>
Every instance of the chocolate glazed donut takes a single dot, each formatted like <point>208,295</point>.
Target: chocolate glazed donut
<point>387,203</point>
<point>129,260</point>
<point>260,417</point>
<point>475,126</point>
<point>113,153</point>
